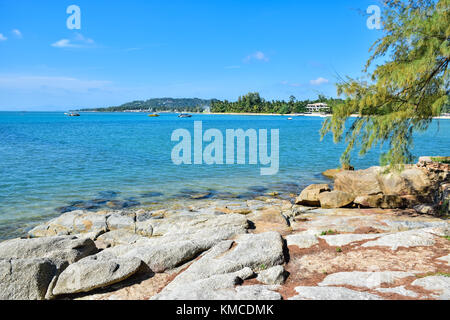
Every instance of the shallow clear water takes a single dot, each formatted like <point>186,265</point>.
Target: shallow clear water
<point>49,160</point>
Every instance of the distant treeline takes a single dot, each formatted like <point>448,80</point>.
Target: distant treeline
<point>249,103</point>
<point>253,103</point>
<point>160,104</point>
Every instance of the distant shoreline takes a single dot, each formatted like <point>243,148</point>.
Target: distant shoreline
<point>243,114</point>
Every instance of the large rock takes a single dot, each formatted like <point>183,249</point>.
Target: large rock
<point>335,199</point>
<point>158,256</point>
<point>73,222</point>
<point>310,195</point>
<point>178,243</point>
<point>95,272</point>
<point>248,252</point>
<point>409,181</point>
<point>390,189</point>
<point>25,279</point>
<point>358,183</point>
<point>64,248</point>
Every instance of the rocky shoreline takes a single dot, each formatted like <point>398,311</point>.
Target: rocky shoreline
<point>376,236</point>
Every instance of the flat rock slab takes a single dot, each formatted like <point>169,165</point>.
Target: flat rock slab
<point>406,239</point>
<point>399,290</point>
<point>64,248</point>
<point>191,223</point>
<point>438,284</point>
<point>345,239</point>
<point>303,240</point>
<point>364,279</point>
<point>445,259</point>
<point>93,272</point>
<point>332,293</point>
<point>404,225</point>
<point>248,293</point>
<point>25,279</point>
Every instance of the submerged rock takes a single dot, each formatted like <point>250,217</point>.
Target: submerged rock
<point>109,194</point>
<point>122,204</point>
<point>151,194</point>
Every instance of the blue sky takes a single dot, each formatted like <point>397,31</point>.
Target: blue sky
<point>132,50</point>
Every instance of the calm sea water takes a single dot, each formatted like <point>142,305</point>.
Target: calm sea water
<point>49,161</point>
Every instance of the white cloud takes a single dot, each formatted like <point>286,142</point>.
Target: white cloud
<point>2,37</point>
<point>17,33</point>
<point>79,41</point>
<point>63,43</point>
<point>232,67</point>
<point>258,56</point>
<point>319,81</point>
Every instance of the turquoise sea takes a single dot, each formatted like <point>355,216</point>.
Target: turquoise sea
<point>51,163</point>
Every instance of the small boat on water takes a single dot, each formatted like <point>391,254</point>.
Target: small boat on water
<point>185,115</point>
<point>153,115</point>
<point>290,119</point>
<point>72,114</point>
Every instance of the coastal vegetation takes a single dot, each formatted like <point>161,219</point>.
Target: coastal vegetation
<point>401,95</point>
<point>253,103</point>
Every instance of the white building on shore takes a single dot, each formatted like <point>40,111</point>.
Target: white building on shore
<point>318,107</point>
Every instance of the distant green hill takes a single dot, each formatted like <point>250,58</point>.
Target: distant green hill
<point>160,104</point>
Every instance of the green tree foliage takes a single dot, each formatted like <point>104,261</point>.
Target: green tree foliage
<point>253,103</point>
<point>403,94</point>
